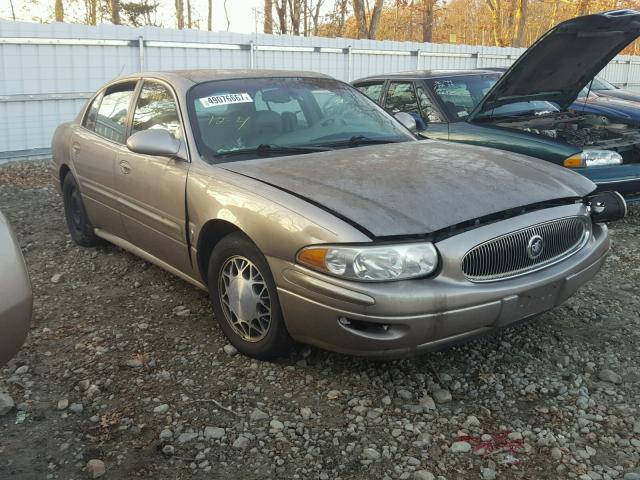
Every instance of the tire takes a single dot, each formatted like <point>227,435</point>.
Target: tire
<point>78,221</point>
<point>245,299</point>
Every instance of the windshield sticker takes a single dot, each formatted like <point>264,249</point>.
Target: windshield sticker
<point>227,99</point>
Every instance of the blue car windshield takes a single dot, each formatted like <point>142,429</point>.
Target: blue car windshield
<point>252,117</point>
<point>461,94</point>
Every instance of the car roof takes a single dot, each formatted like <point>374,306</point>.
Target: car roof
<point>205,75</point>
<point>423,74</point>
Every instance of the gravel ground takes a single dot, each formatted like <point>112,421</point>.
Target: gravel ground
<point>125,371</point>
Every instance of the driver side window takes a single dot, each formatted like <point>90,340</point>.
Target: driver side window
<point>401,97</point>
<point>156,109</point>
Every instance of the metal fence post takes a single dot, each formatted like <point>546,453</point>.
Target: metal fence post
<point>252,54</point>
<point>478,59</point>
<point>349,64</point>
<point>629,67</point>
<point>141,52</point>
<point>418,59</point>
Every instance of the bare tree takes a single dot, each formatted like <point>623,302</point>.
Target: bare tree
<point>13,10</point>
<point>210,14</point>
<point>226,14</point>
<point>189,14</point>
<point>180,14</point>
<point>281,10</point>
<point>520,22</point>
<point>294,14</point>
<point>314,12</point>
<point>92,11</point>
<point>59,11</point>
<point>428,6</point>
<point>268,16</point>
<point>370,29</point>
<point>115,11</point>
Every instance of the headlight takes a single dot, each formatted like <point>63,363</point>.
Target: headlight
<point>371,263</point>
<point>593,158</point>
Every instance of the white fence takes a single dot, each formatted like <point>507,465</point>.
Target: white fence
<point>48,71</point>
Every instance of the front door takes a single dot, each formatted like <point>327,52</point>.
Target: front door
<point>152,188</point>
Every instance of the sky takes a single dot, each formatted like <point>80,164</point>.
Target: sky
<point>242,16</point>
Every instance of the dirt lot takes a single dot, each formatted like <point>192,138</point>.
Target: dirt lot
<point>125,365</point>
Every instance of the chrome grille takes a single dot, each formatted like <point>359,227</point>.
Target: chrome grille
<point>510,255</point>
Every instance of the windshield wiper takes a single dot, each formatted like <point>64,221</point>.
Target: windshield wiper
<point>357,140</point>
<point>266,149</point>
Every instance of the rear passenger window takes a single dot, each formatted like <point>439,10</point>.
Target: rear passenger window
<point>92,113</point>
<point>371,90</point>
<point>111,120</point>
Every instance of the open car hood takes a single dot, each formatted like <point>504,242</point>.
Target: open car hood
<point>414,188</point>
<point>563,61</point>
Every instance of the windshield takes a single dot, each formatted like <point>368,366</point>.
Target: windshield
<point>260,116</point>
<point>461,94</point>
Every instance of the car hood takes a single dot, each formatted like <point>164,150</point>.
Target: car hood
<point>565,59</point>
<point>621,94</point>
<point>415,188</point>
<point>610,106</point>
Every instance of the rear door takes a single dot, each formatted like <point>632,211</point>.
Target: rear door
<point>151,189</point>
<point>94,149</point>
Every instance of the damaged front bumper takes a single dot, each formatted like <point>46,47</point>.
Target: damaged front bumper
<point>396,319</point>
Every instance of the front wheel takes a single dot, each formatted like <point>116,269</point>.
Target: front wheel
<point>245,300</point>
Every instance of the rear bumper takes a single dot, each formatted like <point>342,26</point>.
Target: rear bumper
<point>400,319</point>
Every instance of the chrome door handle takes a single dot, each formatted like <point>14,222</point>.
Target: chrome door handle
<point>125,168</point>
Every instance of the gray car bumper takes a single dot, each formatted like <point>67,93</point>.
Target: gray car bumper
<point>427,314</point>
<point>15,294</point>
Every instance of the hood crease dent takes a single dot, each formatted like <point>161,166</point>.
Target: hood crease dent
<point>415,188</point>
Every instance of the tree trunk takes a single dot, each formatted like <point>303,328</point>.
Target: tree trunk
<point>361,18</point>
<point>495,9</point>
<point>582,8</point>
<point>268,16</point>
<point>226,15</point>
<point>520,22</point>
<point>427,20</point>
<point>294,13</point>
<point>13,10</point>
<point>115,11</point>
<point>281,10</point>
<point>210,15</point>
<point>315,16</point>
<point>554,14</point>
<point>375,19</point>
<point>92,7</point>
<point>59,11</point>
<point>343,17</point>
<point>188,13</point>
<point>179,14</point>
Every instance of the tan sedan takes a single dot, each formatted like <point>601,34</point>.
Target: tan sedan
<point>310,214</point>
<point>15,294</point>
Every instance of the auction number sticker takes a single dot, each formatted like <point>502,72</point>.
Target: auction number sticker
<point>226,99</point>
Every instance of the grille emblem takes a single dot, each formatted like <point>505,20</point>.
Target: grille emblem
<point>535,247</point>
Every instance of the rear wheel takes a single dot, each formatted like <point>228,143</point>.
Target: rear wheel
<point>245,300</point>
<point>78,222</point>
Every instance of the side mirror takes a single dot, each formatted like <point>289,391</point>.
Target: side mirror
<point>407,120</point>
<point>156,142</point>
<point>607,207</point>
